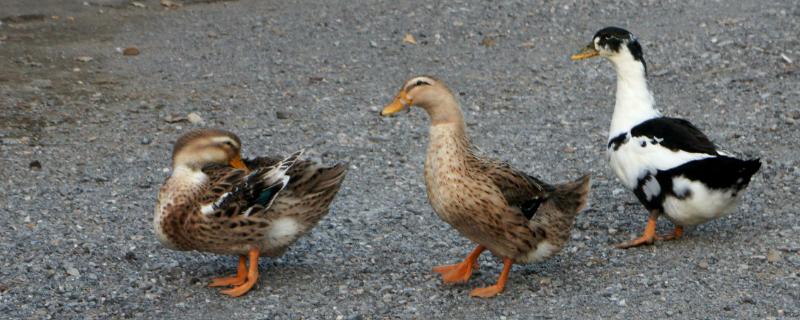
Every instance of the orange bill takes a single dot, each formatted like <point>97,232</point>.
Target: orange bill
<point>400,102</point>
<point>237,162</point>
<point>585,53</point>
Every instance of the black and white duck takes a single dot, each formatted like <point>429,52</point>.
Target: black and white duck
<point>671,166</point>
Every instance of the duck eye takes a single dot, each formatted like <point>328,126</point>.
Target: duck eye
<point>420,82</point>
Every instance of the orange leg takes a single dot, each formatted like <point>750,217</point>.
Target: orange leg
<point>498,287</point>
<point>648,237</point>
<point>677,233</point>
<point>462,271</point>
<point>252,276</point>
<point>238,279</point>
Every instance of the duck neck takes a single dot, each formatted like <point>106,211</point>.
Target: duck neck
<point>187,176</point>
<point>448,133</point>
<point>445,110</point>
<point>634,103</point>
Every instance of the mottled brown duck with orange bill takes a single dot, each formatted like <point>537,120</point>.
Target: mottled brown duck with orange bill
<point>216,202</point>
<point>508,212</point>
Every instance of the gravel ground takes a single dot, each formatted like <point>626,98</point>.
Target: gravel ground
<point>85,145</point>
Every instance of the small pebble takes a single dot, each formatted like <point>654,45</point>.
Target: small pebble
<point>545,281</point>
<point>195,118</point>
<point>35,165</point>
<point>73,271</point>
<point>773,256</point>
<point>130,51</point>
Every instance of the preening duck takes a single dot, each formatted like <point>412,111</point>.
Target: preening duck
<point>216,202</point>
<point>669,164</point>
<point>512,214</point>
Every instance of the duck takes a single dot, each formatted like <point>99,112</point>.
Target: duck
<point>671,166</point>
<point>514,215</point>
<point>215,201</point>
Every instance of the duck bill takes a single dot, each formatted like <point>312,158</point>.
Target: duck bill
<point>237,163</point>
<point>585,53</point>
<point>400,102</point>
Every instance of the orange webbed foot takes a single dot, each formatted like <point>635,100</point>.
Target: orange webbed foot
<point>251,278</point>
<point>677,233</point>
<point>640,241</point>
<point>238,279</point>
<point>647,238</point>
<point>228,281</point>
<point>460,272</point>
<point>242,289</point>
<point>497,288</point>
<point>486,292</point>
<point>445,269</point>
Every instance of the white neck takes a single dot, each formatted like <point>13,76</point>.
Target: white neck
<point>634,101</point>
<point>185,175</point>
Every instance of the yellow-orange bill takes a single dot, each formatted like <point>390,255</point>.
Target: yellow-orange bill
<point>586,53</point>
<point>237,163</point>
<point>400,102</point>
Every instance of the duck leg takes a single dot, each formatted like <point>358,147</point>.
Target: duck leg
<point>252,276</point>
<point>677,233</point>
<point>460,272</point>
<point>648,237</point>
<point>238,279</point>
<point>498,287</point>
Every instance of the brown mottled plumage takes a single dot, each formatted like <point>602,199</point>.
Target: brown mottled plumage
<point>216,202</point>
<point>512,214</point>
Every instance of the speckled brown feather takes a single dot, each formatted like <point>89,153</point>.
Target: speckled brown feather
<point>305,199</point>
<point>486,200</point>
<point>480,197</point>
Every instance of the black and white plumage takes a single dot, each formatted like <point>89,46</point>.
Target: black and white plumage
<point>671,166</point>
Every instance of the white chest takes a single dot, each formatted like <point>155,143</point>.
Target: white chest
<point>639,157</point>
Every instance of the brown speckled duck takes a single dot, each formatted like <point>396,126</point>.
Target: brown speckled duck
<point>216,202</point>
<point>514,215</point>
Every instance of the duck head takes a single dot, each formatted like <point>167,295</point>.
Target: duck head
<point>198,148</point>
<point>616,44</point>
<point>428,93</point>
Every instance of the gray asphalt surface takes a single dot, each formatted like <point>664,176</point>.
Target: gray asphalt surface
<point>76,239</point>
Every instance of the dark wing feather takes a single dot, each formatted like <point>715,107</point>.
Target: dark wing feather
<point>234,192</point>
<point>519,189</point>
<point>222,179</point>
<point>675,134</point>
<point>261,162</point>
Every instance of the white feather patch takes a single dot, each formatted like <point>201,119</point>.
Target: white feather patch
<point>651,188</point>
<point>283,231</point>
<point>700,204</point>
<point>207,209</point>
<point>543,251</point>
<point>211,207</point>
<point>186,176</point>
<point>631,161</point>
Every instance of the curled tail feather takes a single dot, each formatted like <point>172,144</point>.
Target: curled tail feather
<point>571,197</point>
<point>329,177</point>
